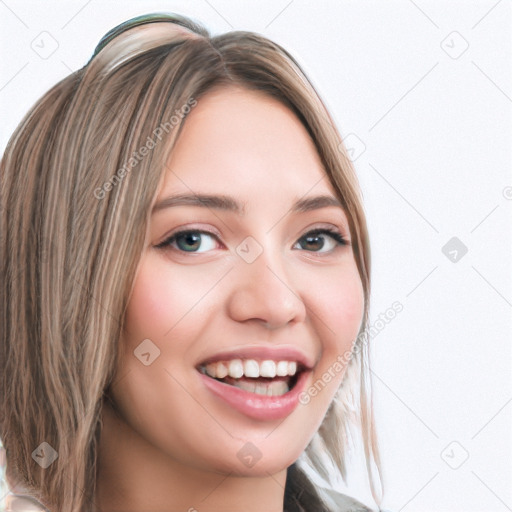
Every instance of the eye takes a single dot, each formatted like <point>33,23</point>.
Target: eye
<point>189,241</point>
<point>316,239</point>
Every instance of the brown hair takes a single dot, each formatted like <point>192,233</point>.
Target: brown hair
<point>75,211</point>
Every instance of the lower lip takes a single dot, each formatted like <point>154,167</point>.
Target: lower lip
<point>258,407</point>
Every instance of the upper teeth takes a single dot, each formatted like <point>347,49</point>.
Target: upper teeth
<point>237,368</point>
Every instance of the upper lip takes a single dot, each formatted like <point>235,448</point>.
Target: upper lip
<point>272,353</point>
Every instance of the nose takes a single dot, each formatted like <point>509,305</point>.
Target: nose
<point>263,291</point>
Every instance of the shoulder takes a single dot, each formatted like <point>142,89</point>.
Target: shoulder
<point>344,503</point>
<point>22,503</point>
<point>338,501</point>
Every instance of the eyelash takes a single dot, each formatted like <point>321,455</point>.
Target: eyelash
<point>332,233</point>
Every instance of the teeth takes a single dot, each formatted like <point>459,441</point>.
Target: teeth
<point>221,371</point>
<point>251,368</point>
<point>268,369</point>
<point>217,370</point>
<point>211,370</point>
<point>276,388</point>
<point>282,368</point>
<point>236,368</point>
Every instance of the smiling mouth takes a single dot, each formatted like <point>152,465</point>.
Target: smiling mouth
<point>267,377</point>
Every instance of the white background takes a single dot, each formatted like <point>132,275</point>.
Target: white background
<point>429,125</point>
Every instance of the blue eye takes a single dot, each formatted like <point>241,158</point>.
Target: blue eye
<point>190,241</point>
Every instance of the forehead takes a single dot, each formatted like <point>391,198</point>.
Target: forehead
<point>244,140</point>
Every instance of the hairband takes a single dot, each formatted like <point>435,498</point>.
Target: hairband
<point>137,22</point>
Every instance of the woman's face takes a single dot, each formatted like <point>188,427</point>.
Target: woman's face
<point>250,291</point>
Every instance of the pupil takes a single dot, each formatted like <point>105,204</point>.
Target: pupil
<point>190,239</point>
<point>318,239</point>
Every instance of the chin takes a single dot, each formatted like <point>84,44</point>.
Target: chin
<point>258,466</point>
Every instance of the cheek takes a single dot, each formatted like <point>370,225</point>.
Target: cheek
<point>164,303</point>
<point>165,309</point>
<point>149,312</point>
<point>341,307</point>
<point>154,301</point>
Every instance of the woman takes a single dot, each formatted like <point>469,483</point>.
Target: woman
<point>187,277</point>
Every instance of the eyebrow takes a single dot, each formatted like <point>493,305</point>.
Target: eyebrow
<point>227,203</point>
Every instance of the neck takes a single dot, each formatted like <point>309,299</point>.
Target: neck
<point>134,476</point>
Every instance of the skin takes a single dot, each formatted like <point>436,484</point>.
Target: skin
<point>170,444</point>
